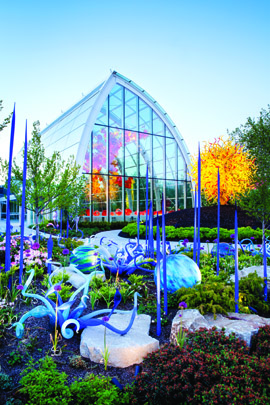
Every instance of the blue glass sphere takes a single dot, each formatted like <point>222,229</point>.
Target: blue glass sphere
<point>181,272</point>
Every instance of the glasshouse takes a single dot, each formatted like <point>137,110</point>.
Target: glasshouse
<point>121,137</point>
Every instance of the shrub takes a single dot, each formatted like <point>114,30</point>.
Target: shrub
<point>45,385</point>
<point>97,390</point>
<point>212,368</point>
<point>214,295</point>
<point>213,341</point>
<point>260,344</point>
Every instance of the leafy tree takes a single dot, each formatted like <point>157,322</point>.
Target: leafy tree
<point>6,121</point>
<point>51,183</point>
<point>254,136</point>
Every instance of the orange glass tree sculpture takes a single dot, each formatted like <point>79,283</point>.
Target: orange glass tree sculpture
<point>236,170</point>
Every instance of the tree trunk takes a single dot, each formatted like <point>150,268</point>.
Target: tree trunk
<point>37,225</point>
<point>264,264</point>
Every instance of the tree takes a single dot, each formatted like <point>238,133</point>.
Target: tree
<point>236,169</point>
<point>254,136</point>
<point>6,121</point>
<point>51,183</point>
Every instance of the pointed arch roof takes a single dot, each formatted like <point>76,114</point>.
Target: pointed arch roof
<point>88,109</point>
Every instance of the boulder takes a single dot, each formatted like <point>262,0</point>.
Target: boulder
<point>243,325</point>
<point>124,350</point>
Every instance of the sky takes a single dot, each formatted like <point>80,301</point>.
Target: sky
<point>206,62</point>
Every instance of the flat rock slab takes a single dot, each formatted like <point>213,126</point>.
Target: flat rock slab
<point>243,325</point>
<point>124,350</point>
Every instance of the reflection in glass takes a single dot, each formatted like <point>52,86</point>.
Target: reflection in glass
<point>158,158</point>
<point>145,151</point>
<point>145,117</point>
<point>131,110</point>
<point>116,151</point>
<point>181,195</point>
<point>170,195</point>
<point>115,193</point>
<point>170,159</point>
<point>158,125</point>
<point>157,194</point>
<point>116,107</point>
<point>97,190</point>
<point>131,153</point>
<point>130,196</point>
<point>181,166</point>
<point>100,149</point>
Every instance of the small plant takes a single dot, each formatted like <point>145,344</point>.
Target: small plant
<point>97,390</point>
<point>65,292</point>
<point>105,353</point>
<point>77,362</point>
<point>7,317</point>
<point>57,336</point>
<point>181,334</point>
<point>15,357</point>
<point>5,382</point>
<point>106,293</point>
<point>94,295</point>
<point>45,385</point>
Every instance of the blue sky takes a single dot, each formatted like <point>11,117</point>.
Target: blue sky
<point>205,61</point>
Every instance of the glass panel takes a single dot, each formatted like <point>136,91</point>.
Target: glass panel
<point>116,107</point>
<point>145,117</point>
<point>158,125</point>
<point>168,133</point>
<point>157,196</point>
<point>181,166</point>
<point>103,115</point>
<point>87,159</point>
<point>189,195</point>
<point>170,195</point>
<point>158,161</point>
<point>170,158</point>
<point>130,198</point>
<point>142,196</point>
<point>145,150</point>
<point>99,150</point>
<point>181,195</point>
<point>98,196</point>
<point>131,153</point>
<point>131,112</point>
<point>116,152</point>
<point>115,194</point>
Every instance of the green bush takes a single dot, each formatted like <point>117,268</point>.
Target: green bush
<point>97,390</point>
<point>45,385</point>
<point>181,233</point>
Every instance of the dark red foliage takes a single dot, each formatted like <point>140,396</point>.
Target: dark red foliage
<point>260,345</point>
<point>212,368</point>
